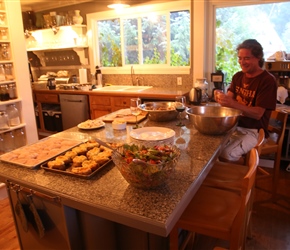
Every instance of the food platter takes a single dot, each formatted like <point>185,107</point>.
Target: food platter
<point>152,133</point>
<point>81,161</point>
<point>91,124</point>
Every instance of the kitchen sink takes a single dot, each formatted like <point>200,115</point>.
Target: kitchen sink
<point>122,88</point>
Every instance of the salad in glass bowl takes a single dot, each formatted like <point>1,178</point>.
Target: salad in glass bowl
<point>146,167</point>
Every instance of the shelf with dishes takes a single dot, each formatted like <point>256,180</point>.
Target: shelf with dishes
<point>59,37</point>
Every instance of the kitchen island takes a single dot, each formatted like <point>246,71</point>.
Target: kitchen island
<point>105,212</point>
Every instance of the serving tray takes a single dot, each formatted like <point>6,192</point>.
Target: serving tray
<point>126,115</point>
<point>68,168</point>
<point>33,155</point>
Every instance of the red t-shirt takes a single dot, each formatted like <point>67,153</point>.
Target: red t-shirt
<point>258,91</point>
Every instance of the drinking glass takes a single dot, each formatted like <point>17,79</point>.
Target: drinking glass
<point>135,102</point>
<point>180,107</point>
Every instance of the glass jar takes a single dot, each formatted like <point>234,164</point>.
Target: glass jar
<point>4,95</point>
<point>13,115</point>
<point>4,35</point>
<point>12,91</point>
<point>2,145</point>
<point>4,124</point>
<point>5,54</point>
<point>19,138</point>
<point>8,71</point>
<point>203,85</point>
<point>2,73</point>
<point>9,141</point>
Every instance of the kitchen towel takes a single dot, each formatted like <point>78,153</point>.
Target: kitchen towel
<point>282,94</point>
<point>83,76</point>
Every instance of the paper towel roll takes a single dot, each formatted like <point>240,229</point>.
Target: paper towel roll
<point>83,76</point>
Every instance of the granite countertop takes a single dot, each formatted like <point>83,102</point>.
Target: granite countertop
<point>109,196</point>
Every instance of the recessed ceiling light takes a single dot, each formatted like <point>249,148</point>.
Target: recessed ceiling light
<point>118,6</point>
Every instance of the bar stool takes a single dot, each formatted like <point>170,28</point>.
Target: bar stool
<point>229,175</point>
<point>219,213</point>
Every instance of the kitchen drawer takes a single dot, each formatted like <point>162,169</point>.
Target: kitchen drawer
<point>121,102</point>
<point>47,98</point>
<point>100,100</point>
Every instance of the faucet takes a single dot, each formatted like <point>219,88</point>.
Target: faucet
<point>132,75</point>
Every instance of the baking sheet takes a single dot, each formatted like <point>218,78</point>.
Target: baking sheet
<point>126,115</point>
<point>68,171</point>
<point>33,155</point>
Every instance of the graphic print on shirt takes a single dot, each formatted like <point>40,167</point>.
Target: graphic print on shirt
<point>245,96</point>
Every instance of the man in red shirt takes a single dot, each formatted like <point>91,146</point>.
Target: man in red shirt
<point>253,90</point>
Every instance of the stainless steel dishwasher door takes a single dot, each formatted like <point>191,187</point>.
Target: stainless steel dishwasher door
<point>74,109</point>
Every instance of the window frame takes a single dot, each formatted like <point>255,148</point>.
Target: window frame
<point>211,27</point>
<point>134,12</point>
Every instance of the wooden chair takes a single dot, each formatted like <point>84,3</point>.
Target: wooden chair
<point>219,213</point>
<point>273,146</point>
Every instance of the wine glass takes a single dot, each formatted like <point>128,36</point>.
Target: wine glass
<point>180,107</point>
<point>135,102</point>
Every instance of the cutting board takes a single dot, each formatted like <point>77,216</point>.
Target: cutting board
<point>126,115</point>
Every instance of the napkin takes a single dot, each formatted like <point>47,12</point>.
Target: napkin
<point>282,94</point>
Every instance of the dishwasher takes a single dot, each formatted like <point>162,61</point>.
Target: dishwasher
<point>74,109</point>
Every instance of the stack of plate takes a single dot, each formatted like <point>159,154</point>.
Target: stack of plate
<point>150,136</point>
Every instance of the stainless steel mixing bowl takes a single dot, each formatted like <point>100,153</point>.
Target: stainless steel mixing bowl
<point>213,120</point>
<point>160,111</point>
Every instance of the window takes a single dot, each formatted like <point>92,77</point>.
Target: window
<point>154,37</point>
<point>269,24</point>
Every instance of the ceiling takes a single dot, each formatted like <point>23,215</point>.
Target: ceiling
<point>42,5</point>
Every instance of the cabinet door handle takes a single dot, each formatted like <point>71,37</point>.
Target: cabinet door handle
<point>17,188</point>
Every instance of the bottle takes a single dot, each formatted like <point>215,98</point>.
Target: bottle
<point>98,77</point>
<point>13,115</point>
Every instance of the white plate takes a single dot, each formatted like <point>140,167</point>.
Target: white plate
<point>152,133</point>
<point>91,124</point>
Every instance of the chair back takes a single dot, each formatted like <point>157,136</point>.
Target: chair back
<point>261,139</point>
<point>246,194</point>
<point>276,128</point>
<point>259,145</point>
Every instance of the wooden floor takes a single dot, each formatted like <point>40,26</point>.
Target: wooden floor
<point>271,221</point>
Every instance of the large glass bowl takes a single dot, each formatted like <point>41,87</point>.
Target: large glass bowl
<point>143,174</point>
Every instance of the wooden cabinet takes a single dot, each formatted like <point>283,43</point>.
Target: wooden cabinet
<point>103,105</point>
